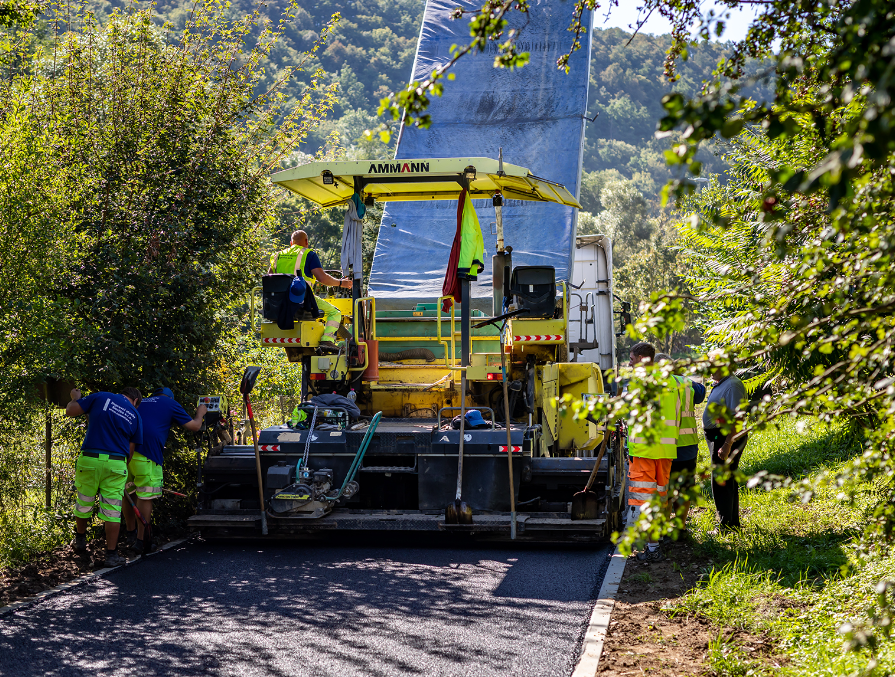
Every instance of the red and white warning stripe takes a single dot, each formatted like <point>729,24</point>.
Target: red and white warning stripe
<point>269,447</point>
<point>516,449</point>
<point>538,337</point>
<point>281,340</point>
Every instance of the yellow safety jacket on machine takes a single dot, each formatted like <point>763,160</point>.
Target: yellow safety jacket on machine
<point>665,424</point>
<point>472,245</point>
<point>284,262</point>
<point>687,435</point>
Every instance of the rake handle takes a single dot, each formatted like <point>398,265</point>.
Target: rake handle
<point>593,473</point>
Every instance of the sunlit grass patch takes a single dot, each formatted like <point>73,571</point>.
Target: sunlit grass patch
<point>729,596</point>
<point>792,571</point>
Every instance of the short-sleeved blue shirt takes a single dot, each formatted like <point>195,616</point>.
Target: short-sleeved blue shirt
<point>159,413</point>
<point>114,423</point>
<point>311,261</point>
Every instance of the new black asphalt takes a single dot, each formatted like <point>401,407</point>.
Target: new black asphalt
<point>330,609</point>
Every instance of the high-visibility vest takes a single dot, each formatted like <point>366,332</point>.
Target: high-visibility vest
<point>284,262</point>
<point>665,423</point>
<point>688,434</point>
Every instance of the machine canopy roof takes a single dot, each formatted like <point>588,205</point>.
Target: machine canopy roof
<point>427,179</point>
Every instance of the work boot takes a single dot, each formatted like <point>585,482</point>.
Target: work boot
<point>80,543</point>
<point>130,538</point>
<point>113,559</point>
<point>648,555</point>
<point>328,346</point>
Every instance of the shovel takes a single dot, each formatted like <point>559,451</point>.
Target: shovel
<point>245,387</point>
<point>584,504</point>
<point>459,512</point>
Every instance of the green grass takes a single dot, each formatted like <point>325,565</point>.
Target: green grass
<point>792,572</point>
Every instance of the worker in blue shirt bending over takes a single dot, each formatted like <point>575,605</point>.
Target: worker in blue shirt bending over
<point>159,413</point>
<point>114,430</point>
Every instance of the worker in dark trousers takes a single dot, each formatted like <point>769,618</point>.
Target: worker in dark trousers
<point>114,430</point>
<point>726,443</point>
<point>159,413</point>
<point>683,468</point>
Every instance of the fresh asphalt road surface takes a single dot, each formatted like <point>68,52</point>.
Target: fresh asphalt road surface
<point>317,610</point>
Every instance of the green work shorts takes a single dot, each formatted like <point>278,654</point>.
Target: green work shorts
<point>102,477</point>
<point>146,475</point>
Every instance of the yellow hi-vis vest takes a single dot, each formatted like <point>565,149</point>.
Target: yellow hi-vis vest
<point>688,434</point>
<point>284,262</point>
<point>665,424</point>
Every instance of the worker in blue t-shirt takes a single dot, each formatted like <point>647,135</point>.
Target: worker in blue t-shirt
<point>159,413</point>
<point>114,430</point>
<point>299,259</point>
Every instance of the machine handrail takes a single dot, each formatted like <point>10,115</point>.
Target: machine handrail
<point>448,361</point>
<point>356,324</point>
<point>357,303</point>
<point>438,425</point>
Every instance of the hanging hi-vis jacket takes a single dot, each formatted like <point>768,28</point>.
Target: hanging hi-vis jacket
<point>467,252</point>
<point>472,245</point>
<point>285,262</point>
<point>665,425</point>
<point>688,433</point>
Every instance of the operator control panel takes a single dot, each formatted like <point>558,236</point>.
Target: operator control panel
<point>217,409</point>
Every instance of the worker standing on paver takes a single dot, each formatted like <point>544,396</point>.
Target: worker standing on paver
<point>723,411</point>
<point>114,429</point>
<point>300,259</point>
<point>159,413</point>
<point>683,467</point>
<point>650,461</point>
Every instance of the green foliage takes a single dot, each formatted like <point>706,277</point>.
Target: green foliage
<point>795,572</point>
<point>133,225</point>
<point>626,89</point>
<point>134,200</point>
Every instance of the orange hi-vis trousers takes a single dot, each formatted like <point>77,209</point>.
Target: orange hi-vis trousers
<point>646,478</point>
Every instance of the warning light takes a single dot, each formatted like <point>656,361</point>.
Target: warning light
<point>317,377</point>
<point>495,377</point>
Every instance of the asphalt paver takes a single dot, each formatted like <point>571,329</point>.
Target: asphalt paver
<point>327,609</point>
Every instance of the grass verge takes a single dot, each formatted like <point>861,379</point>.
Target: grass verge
<point>792,573</point>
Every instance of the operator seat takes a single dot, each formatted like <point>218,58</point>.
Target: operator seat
<point>534,288</point>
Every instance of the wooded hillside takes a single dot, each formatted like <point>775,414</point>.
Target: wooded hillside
<point>370,54</point>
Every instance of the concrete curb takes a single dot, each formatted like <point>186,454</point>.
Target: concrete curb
<point>592,646</point>
<point>86,578</point>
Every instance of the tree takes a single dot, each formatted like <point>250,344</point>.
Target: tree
<point>137,197</point>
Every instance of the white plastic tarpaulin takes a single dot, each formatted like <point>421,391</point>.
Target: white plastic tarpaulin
<point>535,113</point>
<point>352,243</point>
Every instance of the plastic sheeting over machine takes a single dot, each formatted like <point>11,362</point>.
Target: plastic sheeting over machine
<point>535,114</point>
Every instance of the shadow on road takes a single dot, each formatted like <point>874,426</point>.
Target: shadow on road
<point>317,608</point>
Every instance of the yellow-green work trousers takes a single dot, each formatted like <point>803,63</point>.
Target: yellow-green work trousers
<point>332,318</point>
